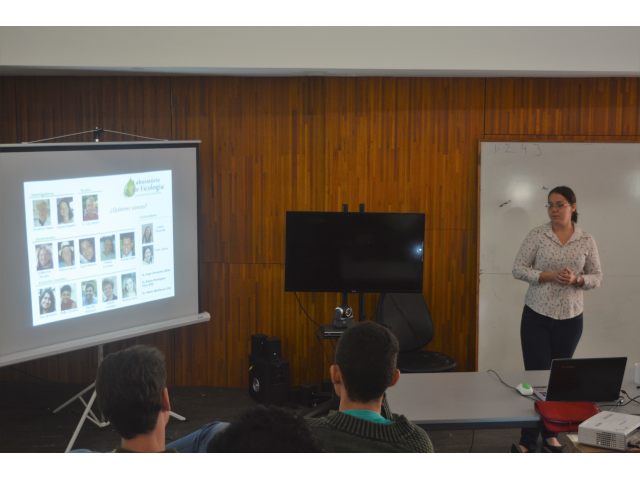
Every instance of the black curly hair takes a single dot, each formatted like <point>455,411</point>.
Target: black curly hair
<point>266,430</point>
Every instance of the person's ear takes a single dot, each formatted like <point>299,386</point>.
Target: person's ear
<point>336,378</point>
<point>396,377</point>
<point>165,406</point>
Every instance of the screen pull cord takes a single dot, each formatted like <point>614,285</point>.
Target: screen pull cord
<point>97,132</point>
<point>362,316</point>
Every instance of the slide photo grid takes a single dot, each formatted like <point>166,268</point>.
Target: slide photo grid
<point>107,243</point>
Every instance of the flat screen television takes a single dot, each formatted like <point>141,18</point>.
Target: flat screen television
<point>354,252</point>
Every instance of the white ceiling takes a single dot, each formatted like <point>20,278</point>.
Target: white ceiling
<point>322,51</point>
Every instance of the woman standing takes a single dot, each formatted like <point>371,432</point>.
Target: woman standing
<point>558,260</point>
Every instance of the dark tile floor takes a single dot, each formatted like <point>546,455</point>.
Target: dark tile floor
<point>28,424</point>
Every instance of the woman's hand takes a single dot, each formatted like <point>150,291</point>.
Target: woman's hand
<point>564,277</point>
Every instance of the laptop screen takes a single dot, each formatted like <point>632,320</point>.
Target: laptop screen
<point>586,379</point>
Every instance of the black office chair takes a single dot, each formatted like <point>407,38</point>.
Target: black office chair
<point>408,317</point>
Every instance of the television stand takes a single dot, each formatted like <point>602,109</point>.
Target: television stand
<point>331,331</point>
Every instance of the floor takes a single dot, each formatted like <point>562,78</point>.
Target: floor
<point>28,424</point>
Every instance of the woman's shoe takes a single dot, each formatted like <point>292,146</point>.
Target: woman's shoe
<point>546,448</point>
<point>516,449</point>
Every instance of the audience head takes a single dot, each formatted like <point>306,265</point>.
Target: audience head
<point>266,430</point>
<point>130,385</point>
<point>366,356</point>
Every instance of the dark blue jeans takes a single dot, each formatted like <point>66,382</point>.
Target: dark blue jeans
<point>544,339</point>
<point>195,442</point>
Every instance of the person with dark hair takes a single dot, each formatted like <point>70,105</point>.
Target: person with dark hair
<point>47,301</point>
<point>65,212</point>
<point>365,366</point>
<point>108,286</point>
<point>147,255</point>
<point>147,237</point>
<point>126,245</point>
<point>87,250</point>
<point>67,303</point>
<point>89,295</point>
<point>559,261</point>
<point>108,253</point>
<point>131,389</point>
<point>266,430</point>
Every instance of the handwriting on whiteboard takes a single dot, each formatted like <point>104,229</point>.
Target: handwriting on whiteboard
<point>524,148</point>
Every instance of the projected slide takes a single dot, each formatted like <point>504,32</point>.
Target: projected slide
<point>98,243</point>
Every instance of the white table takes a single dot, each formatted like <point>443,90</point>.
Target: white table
<point>477,400</point>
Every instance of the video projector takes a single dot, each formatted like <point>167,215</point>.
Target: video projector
<point>610,430</point>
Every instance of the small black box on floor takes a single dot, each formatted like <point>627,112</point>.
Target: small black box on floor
<point>327,385</point>
<point>257,343</point>
<point>307,393</point>
<point>265,347</point>
<point>268,380</point>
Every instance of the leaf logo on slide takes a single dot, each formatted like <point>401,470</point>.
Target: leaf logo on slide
<point>129,189</point>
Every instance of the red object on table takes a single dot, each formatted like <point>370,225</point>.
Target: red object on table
<point>565,416</point>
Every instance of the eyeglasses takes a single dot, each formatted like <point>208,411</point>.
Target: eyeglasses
<point>558,205</point>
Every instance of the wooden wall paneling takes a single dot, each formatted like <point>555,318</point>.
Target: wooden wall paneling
<point>259,137</point>
<point>247,299</point>
<point>412,144</point>
<point>79,366</point>
<point>563,106</point>
<point>272,145</point>
<point>450,292</point>
<point>53,106</point>
<point>8,132</point>
<point>277,144</point>
<point>396,134</point>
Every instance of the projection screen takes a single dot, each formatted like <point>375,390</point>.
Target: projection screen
<point>98,242</point>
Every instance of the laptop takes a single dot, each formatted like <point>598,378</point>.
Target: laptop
<point>583,379</point>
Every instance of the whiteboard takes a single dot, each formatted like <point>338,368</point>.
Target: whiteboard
<point>515,181</point>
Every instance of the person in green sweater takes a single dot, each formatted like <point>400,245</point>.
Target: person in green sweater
<point>365,366</point>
